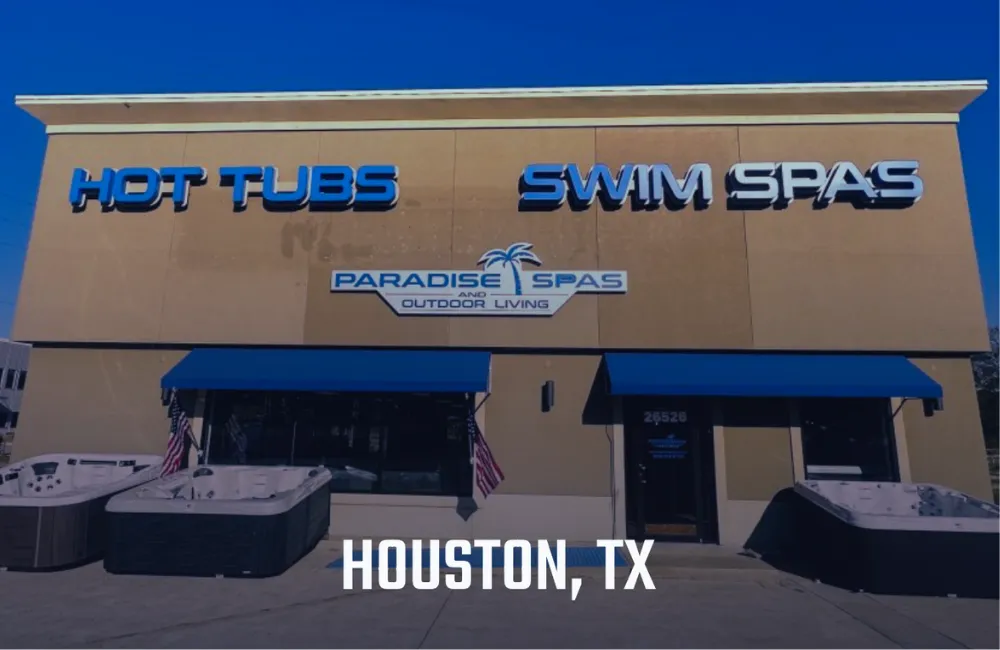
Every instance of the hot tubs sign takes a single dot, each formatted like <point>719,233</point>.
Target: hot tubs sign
<point>502,288</point>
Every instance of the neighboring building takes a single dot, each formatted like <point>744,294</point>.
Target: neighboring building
<point>13,379</point>
<point>738,342</point>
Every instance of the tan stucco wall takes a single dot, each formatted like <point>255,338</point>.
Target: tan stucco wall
<point>853,279</point>
<point>948,448</point>
<point>758,448</point>
<point>552,453</point>
<point>758,462</point>
<point>97,401</point>
<point>799,278</point>
<point>753,462</point>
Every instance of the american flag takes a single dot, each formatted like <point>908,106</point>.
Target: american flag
<point>238,437</point>
<point>488,472</point>
<point>180,429</point>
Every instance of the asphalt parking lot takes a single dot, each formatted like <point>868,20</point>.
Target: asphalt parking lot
<point>704,601</point>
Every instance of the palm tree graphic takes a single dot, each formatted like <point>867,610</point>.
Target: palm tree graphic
<point>513,256</point>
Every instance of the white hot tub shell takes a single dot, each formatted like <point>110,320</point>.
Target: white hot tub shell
<point>52,506</point>
<point>902,506</point>
<point>900,538</point>
<point>219,520</point>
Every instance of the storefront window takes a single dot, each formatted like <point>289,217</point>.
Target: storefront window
<point>388,444</point>
<point>848,439</point>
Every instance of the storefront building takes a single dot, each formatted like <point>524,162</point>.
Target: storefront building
<point>663,305</point>
<point>13,379</point>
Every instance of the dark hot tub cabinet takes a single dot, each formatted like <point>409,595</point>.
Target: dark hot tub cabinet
<point>219,521</point>
<point>52,506</point>
<point>898,538</point>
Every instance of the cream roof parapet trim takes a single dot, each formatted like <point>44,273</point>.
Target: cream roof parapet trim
<point>514,93</point>
<point>812,103</point>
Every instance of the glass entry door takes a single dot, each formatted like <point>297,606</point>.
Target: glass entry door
<point>669,447</point>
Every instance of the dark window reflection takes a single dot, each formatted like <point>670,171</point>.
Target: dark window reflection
<point>390,444</point>
<point>848,439</point>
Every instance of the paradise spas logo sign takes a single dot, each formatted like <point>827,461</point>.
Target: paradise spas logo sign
<point>502,288</point>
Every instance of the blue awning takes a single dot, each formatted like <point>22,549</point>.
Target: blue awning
<point>358,371</point>
<point>767,375</point>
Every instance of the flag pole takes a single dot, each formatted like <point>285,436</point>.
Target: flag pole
<point>472,423</point>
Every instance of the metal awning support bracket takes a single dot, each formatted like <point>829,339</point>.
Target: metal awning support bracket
<point>931,406</point>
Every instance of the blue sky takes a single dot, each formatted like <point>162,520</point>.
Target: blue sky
<point>118,47</point>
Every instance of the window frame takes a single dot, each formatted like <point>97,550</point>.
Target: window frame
<point>458,465</point>
<point>887,432</point>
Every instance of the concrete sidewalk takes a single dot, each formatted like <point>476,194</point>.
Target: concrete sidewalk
<point>693,606</point>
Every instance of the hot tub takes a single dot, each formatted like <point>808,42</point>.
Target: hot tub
<point>218,520</point>
<point>899,538</point>
<point>52,506</point>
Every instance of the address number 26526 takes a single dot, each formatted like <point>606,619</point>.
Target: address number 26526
<point>664,417</point>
